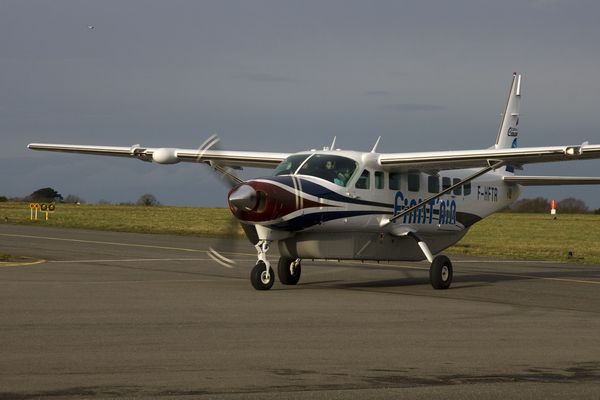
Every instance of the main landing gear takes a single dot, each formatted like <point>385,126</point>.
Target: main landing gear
<point>440,271</point>
<point>262,276</point>
<point>289,269</point>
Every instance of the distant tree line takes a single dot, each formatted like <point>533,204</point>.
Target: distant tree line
<point>569,205</point>
<point>50,195</point>
<point>43,195</point>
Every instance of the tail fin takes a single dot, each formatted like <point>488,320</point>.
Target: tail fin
<point>509,126</point>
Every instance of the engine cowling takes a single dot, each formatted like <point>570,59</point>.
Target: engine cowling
<point>259,201</point>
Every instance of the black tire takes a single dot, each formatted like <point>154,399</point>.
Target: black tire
<point>257,277</point>
<point>285,273</point>
<point>440,273</point>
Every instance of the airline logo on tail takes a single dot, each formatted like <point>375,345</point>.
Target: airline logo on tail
<point>509,124</point>
<point>514,132</point>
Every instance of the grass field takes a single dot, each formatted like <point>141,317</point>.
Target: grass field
<point>170,220</point>
<point>504,235</point>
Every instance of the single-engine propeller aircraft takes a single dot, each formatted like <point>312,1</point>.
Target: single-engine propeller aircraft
<point>350,205</point>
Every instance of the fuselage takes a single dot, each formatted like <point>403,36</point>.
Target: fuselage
<point>330,204</point>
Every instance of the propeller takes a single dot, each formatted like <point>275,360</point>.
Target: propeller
<point>226,174</point>
<point>226,244</point>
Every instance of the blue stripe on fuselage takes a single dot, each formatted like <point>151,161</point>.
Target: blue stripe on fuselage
<point>317,190</point>
<point>307,220</point>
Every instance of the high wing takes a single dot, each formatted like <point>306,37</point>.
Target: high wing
<point>163,155</point>
<point>443,160</point>
<point>551,180</point>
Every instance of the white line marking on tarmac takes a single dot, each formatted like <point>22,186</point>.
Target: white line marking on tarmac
<point>46,282</point>
<point>508,261</point>
<point>6,264</point>
<point>147,281</point>
<point>128,260</point>
<point>541,278</point>
<point>352,263</point>
<point>114,243</point>
<point>101,242</point>
<point>485,273</point>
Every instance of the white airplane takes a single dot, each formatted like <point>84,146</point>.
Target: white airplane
<point>350,205</point>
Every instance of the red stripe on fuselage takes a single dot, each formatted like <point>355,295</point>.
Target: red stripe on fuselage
<point>275,203</point>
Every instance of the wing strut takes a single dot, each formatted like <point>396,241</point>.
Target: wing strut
<point>495,165</point>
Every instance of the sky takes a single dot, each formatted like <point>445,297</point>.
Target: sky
<point>284,76</point>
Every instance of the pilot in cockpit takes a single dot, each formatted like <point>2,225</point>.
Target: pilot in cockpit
<point>332,175</point>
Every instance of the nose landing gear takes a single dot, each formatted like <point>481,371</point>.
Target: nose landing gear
<point>262,276</point>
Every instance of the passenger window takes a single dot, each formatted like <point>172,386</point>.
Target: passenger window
<point>379,179</point>
<point>457,190</point>
<point>413,182</point>
<point>433,184</point>
<point>446,183</point>
<point>364,180</point>
<point>394,181</point>
<point>467,187</point>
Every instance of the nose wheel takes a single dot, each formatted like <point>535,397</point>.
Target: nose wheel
<point>262,278</point>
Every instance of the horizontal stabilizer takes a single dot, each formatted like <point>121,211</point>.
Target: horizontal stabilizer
<point>551,180</point>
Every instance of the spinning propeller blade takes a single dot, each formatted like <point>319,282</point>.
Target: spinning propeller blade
<point>226,174</point>
<point>225,246</point>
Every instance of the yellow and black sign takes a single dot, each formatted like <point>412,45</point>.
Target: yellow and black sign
<point>42,207</point>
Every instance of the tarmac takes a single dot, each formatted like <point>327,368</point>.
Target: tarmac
<point>118,315</point>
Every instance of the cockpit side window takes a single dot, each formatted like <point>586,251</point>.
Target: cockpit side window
<point>290,164</point>
<point>335,169</point>
<point>364,181</point>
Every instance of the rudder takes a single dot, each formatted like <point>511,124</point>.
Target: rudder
<point>509,125</point>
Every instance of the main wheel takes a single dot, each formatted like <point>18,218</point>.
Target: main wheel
<point>289,274</point>
<point>440,272</point>
<point>259,278</point>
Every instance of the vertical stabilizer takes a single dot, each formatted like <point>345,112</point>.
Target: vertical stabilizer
<point>509,125</point>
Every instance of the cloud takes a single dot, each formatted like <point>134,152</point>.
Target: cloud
<point>547,3</point>
<point>378,93</point>
<point>265,77</point>
<point>411,107</point>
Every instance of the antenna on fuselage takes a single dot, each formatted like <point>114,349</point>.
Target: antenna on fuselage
<point>376,144</point>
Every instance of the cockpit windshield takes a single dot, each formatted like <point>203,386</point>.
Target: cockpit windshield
<point>290,164</point>
<point>336,169</point>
